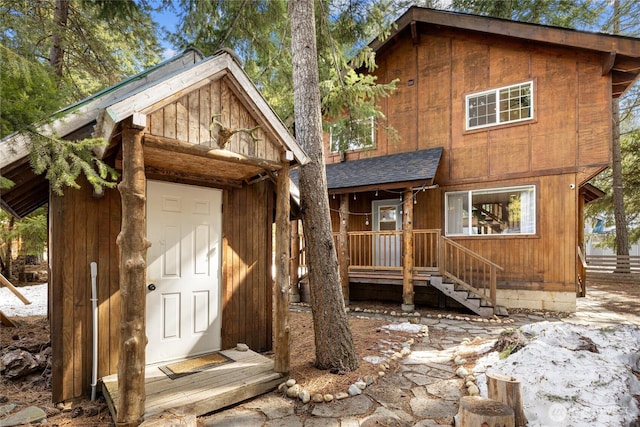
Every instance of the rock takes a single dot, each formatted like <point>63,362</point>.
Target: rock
<point>317,398</point>
<point>328,397</point>
<point>3,398</point>
<point>76,412</point>
<point>381,373</point>
<point>290,382</point>
<point>294,391</point>
<point>354,390</point>
<point>462,372</point>
<point>5,409</point>
<point>29,415</point>
<point>369,379</point>
<point>473,390</point>
<point>304,396</point>
<point>18,363</point>
<point>341,395</point>
<point>242,347</point>
<point>282,387</point>
<point>470,378</point>
<point>361,384</point>
<point>405,351</point>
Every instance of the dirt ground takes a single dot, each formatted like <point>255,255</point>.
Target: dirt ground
<point>369,337</point>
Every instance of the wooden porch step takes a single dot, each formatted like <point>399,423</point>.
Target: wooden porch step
<point>250,375</point>
<point>386,277</point>
<point>478,305</point>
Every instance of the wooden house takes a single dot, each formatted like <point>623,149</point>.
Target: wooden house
<point>209,216</point>
<point>500,125</point>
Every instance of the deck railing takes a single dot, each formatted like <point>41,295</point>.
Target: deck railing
<point>470,270</point>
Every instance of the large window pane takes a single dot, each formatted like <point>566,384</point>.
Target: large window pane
<point>496,211</point>
<point>502,105</point>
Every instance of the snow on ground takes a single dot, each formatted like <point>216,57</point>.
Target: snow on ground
<point>11,306</point>
<point>565,382</point>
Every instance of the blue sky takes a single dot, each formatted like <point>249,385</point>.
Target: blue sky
<point>165,18</point>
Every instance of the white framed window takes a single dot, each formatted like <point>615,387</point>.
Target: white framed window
<point>510,210</point>
<point>498,106</point>
<point>356,136</point>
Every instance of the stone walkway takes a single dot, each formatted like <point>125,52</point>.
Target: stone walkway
<point>424,392</point>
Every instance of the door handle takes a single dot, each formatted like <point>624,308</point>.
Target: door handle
<point>151,287</point>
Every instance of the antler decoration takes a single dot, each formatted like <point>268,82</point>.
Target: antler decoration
<point>224,134</point>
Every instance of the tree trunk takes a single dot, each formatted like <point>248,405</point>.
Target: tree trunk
<point>294,293</point>
<point>56,54</point>
<point>132,242</point>
<point>407,252</point>
<point>281,284</point>
<point>333,339</point>
<point>622,237</point>
<point>508,390</point>
<point>476,411</point>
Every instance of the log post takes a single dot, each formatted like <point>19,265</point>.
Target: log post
<point>407,252</point>
<point>132,242</point>
<point>508,390</point>
<point>294,292</point>
<point>281,284</point>
<point>343,247</point>
<point>476,411</point>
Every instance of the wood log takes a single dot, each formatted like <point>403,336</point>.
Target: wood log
<point>294,292</point>
<point>508,390</point>
<point>407,252</point>
<point>281,284</point>
<point>343,247</point>
<point>4,320</point>
<point>133,244</point>
<point>476,411</point>
<point>13,289</point>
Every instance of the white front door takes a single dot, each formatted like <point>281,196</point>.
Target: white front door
<point>183,273</point>
<point>387,218</point>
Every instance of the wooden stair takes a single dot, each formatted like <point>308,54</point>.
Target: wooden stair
<point>467,297</point>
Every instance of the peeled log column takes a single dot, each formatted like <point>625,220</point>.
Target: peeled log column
<point>508,390</point>
<point>478,411</point>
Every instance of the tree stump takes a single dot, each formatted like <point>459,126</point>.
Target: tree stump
<point>508,390</point>
<point>476,411</point>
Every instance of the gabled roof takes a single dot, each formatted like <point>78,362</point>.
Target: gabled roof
<point>100,114</point>
<point>410,169</point>
<point>620,54</point>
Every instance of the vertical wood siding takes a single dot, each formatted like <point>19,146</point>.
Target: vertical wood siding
<point>246,266</point>
<point>83,230</point>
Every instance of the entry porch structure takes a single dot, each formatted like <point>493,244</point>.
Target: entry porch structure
<point>211,163</point>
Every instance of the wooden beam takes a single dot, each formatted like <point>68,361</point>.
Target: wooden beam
<point>407,251</point>
<point>133,244</point>
<point>281,284</point>
<point>607,63</point>
<point>295,262</point>
<point>174,145</point>
<point>13,289</point>
<point>186,177</point>
<point>343,247</point>
<point>415,35</point>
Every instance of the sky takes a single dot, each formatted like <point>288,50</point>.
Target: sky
<point>165,18</point>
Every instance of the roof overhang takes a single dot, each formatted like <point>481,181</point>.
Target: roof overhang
<point>590,192</point>
<point>620,54</point>
<point>414,169</point>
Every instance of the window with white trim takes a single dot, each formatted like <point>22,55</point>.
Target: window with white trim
<point>510,210</point>
<point>357,135</point>
<point>507,104</point>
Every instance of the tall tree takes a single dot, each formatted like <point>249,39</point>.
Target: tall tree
<point>334,343</point>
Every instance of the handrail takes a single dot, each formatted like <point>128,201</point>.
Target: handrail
<point>582,258</point>
<point>469,269</point>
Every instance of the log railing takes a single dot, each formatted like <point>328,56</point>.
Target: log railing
<point>470,270</point>
<point>582,272</point>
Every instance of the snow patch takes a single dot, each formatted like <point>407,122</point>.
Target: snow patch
<point>411,328</point>
<point>11,306</point>
<point>566,381</point>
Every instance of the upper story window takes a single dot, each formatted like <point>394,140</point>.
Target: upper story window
<point>498,106</point>
<point>357,135</point>
<point>510,210</point>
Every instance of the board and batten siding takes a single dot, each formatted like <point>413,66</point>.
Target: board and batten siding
<point>188,119</point>
<point>572,104</point>
<point>84,229</point>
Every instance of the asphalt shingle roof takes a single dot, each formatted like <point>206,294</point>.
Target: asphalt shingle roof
<point>411,166</point>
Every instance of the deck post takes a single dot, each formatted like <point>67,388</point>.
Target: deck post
<point>294,292</point>
<point>343,247</point>
<point>133,244</point>
<point>407,251</point>
<point>281,284</point>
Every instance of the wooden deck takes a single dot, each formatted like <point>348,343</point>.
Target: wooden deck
<point>250,375</point>
<point>387,277</point>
